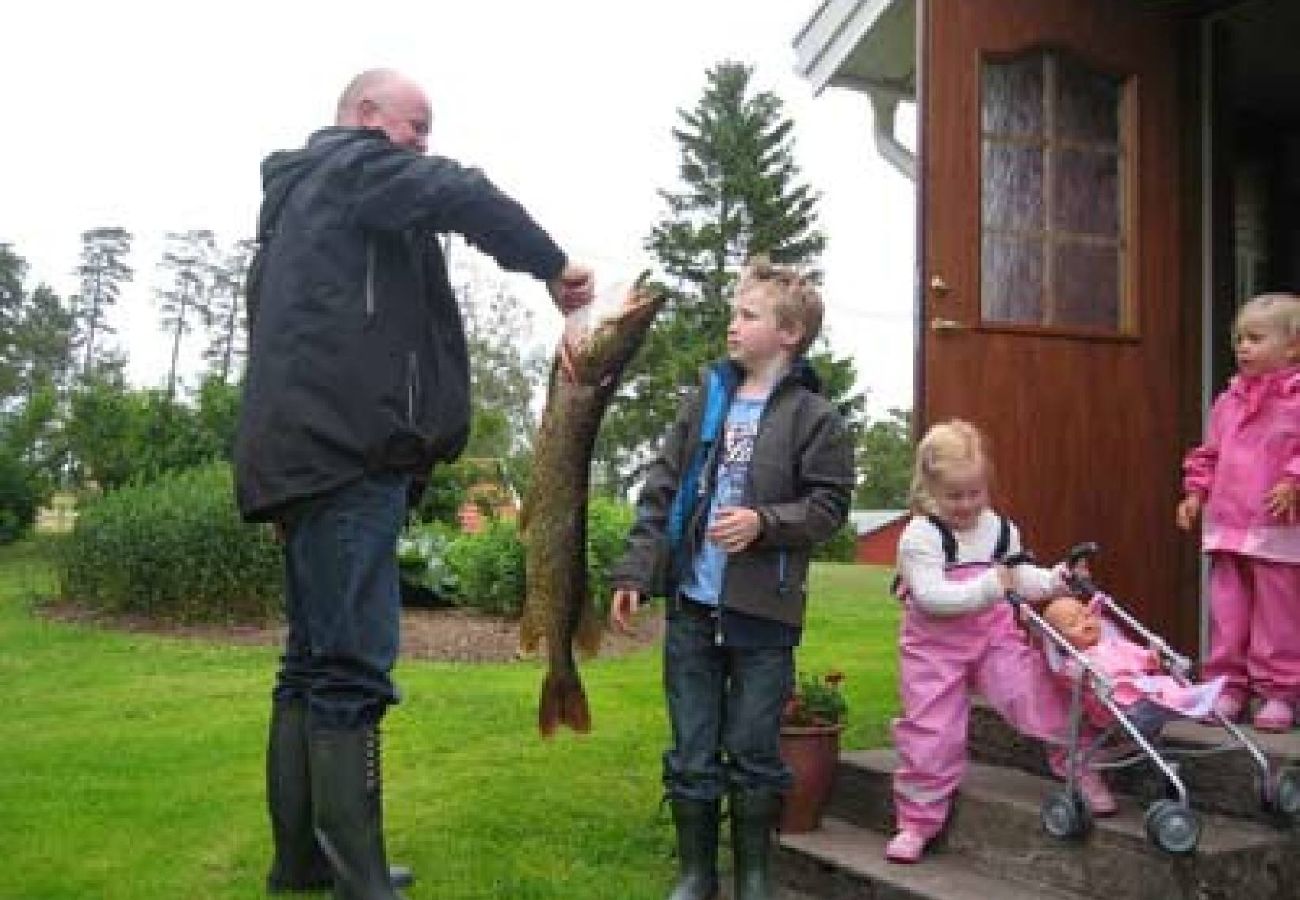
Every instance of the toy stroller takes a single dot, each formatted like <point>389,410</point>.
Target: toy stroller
<point>1171,823</point>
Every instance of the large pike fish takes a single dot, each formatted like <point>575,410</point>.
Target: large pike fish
<point>558,607</point>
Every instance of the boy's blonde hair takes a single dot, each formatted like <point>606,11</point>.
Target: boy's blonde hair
<point>1280,311</point>
<point>946,447</point>
<point>794,296</point>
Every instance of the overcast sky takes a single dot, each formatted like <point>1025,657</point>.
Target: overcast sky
<point>155,117</point>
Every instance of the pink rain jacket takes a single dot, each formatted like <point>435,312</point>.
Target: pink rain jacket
<point>1253,442</point>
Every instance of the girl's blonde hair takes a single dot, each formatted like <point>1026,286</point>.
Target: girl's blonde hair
<point>1280,311</point>
<point>795,299</point>
<point>945,448</point>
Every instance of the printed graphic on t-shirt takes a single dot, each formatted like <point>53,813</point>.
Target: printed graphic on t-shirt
<point>737,451</point>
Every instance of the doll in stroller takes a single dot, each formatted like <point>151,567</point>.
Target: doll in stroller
<point>1123,692</point>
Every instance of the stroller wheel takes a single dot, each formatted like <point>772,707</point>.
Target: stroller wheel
<point>1286,793</point>
<point>1172,827</point>
<point>1065,815</point>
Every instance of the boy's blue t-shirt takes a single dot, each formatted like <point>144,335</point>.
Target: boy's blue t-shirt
<point>704,583</point>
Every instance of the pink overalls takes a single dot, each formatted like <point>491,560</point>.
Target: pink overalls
<point>943,659</point>
<point>1253,441</point>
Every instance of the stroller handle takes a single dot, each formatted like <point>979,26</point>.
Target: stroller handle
<point>1081,585</point>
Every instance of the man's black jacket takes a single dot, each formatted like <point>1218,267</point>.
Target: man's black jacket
<point>357,359</point>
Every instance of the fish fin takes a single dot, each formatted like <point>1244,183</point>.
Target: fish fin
<point>563,702</point>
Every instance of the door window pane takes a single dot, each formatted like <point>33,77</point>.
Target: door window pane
<point>1013,97</point>
<point>1054,165</point>
<point>1013,187</point>
<point>1012,282</point>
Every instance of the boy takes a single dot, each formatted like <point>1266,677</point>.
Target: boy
<point>756,470</point>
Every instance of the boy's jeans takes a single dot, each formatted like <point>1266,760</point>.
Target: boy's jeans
<point>724,704</point>
<point>342,601</point>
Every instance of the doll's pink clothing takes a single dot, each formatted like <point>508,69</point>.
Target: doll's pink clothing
<point>1252,443</point>
<point>1137,677</point>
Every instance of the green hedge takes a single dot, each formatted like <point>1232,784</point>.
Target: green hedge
<point>174,549</point>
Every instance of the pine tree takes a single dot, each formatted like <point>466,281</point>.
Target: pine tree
<point>189,260</point>
<point>740,196</point>
<point>102,273</point>
<point>227,312</point>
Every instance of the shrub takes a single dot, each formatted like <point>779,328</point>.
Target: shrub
<point>18,499</point>
<point>489,568</point>
<point>422,556</point>
<point>608,522</point>
<point>174,549</point>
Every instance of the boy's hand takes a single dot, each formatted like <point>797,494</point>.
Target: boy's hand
<point>1283,500</point>
<point>623,607</point>
<point>1188,510</point>
<point>735,528</point>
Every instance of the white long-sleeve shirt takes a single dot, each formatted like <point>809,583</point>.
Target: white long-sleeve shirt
<point>921,566</point>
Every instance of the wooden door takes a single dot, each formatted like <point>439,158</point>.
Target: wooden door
<point>1052,311</point>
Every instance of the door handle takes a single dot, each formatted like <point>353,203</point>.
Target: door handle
<point>943,326</point>
<point>939,286</point>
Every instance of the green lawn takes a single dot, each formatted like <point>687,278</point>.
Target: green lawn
<point>131,766</point>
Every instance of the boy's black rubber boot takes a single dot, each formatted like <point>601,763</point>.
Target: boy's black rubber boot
<point>753,818</point>
<point>347,805</point>
<point>299,864</point>
<point>697,849</point>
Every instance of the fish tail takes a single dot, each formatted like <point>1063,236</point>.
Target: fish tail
<point>563,703</point>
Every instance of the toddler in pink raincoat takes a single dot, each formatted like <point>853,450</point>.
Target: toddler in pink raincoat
<point>959,637</point>
<point>1246,478</point>
<point>1134,671</point>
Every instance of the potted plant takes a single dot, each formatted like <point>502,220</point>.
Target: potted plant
<point>810,745</point>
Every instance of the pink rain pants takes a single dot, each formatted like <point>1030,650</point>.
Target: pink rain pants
<point>943,660</point>
<point>1255,626</point>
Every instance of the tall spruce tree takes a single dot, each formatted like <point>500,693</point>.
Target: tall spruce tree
<point>740,196</point>
<point>102,272</point>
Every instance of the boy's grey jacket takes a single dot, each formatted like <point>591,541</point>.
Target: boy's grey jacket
<point>357,357</point>
<point>800,483</point>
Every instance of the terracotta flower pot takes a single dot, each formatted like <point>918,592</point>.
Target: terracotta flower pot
<point>812,752</point>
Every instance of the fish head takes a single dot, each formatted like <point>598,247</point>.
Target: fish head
<point>597,354</point>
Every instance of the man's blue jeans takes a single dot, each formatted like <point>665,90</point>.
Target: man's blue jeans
<point>724,705</point>
<point>342,601</point>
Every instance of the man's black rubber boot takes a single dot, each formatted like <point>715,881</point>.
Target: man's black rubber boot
<point>347,804</point>
<point>299,864</point>
<point>697,849</point>
<point>753,818</point>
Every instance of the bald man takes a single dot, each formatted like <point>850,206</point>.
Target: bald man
<point>358,382</point>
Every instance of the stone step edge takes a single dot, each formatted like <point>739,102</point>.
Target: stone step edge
<point>860,852</point>
<point>1220,834</point>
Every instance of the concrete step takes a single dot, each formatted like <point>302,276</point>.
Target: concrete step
<point>996,825</point>
<point>1224,783</point>
<point>843,862</point>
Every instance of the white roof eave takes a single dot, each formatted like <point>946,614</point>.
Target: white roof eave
<point>859,43</point>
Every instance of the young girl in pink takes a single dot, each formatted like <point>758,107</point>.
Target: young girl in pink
<point>959,636</point>
<point>1246,477</point>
